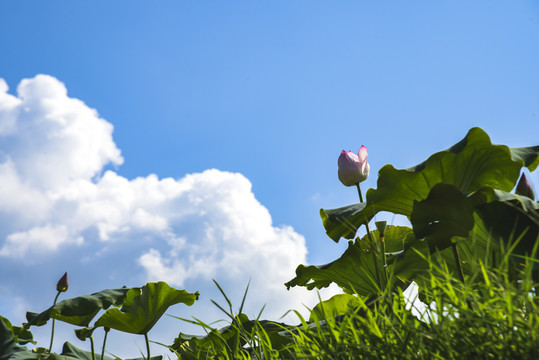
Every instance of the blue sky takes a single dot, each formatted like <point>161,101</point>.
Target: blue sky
<point>266,93</point>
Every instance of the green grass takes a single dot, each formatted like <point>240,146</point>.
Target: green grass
<point>490,316</point>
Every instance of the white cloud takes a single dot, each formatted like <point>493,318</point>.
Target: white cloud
<point>56,198</point>
<point>37,240</point>
<point>8,109</point>
<point>51,138</point>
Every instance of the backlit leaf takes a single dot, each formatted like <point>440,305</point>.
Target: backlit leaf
<point>354,271</point>
<point>143,307</point>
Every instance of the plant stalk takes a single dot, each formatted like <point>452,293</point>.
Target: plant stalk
<point>457,260</point>
<point>147,345</point>
<point>93,347</point>
<point>373,244</point>
<point>382,240</point>
<point>53,320</point>
<point>104,342</point>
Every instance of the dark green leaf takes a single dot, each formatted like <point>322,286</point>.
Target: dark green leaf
<point>74,352</point>
<point>445,213</point>
<point>84,333</point>
<point>222,341</point>
<point>344,221</point>
<point>529,155</point>
<point>80,310</point>
<point>510,218</point>
<point>8,347</point>
<point>19,334</point>
<point>9,350</point>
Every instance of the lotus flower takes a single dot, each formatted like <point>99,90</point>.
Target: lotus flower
<point>62,284</point>
<point>353,168</point>
<point>524,188</point>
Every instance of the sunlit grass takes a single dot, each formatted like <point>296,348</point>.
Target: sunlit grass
<point>491,316</point>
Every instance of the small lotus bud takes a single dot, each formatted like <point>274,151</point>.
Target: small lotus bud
<point>63,283</point>
<point>524,188</point>
<point>353,168</point>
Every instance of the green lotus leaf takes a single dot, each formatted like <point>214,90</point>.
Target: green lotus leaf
<point>80,310</point>
<point>445,213</point>
<point>412,265</point>
<point>343,221</point>
<point>143,307</point>
<point>222,339</point>
<point>85,332</point>
<point>483,243</point>
<point>8,346</point>
<point>528,155</point>
<point>9,350</point>
<point>73,352</point>
<point>468,165</point>
<point>19,334</point>
<point>339,304</point>
<point>219,341</point>
<point>510,218</point>
<point>354,271</point>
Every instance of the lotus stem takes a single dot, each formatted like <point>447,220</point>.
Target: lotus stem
<point>147,345</point>
<point>373,244</point>
<point>107,329</point>
<point>93,347</point>
<point>53,320</point>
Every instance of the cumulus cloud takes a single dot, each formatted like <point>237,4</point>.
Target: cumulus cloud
<point>38,239</point>
<point>53,139</point>
<point>57,198</point>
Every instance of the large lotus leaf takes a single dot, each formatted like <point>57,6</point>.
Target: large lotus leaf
<point>488,195</point>
<point>8,346</point>
<point>143,307</point>
<point>446,212</point>
<point>19,334</point>
<point>80,310</point>
<point>219,341</point>
<point>354,271</point>
<point>341,222</point>
<point>413,262</point>
<point>478,246</point>
<point>468,165</point>
<point>199,346</point>
<point>272,329</point>
<point>71,351</point>
<point>339,304</point>
<point>74,352</point>
<point>85,332</point>
<point>529,155</point>
<point>509,218</point>
<point>9,350</point>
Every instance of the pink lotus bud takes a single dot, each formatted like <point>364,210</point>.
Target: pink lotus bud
<point>353,168</point>
<point>524,188</point>
<point>63,283</point>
